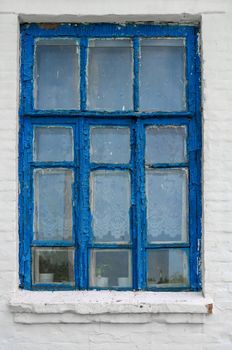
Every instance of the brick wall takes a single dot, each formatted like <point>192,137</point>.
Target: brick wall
<point>215,331</point>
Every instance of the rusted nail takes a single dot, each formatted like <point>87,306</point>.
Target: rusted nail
<point>210,308</point>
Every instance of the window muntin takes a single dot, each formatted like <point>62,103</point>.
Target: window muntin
<point>78,156</point>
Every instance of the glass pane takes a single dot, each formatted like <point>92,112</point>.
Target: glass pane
<point>53,144</point>
<point>57,74</point>
<point>167,268</point>
<point>162,75</point>
<point>53,204</point>
<point>110,268</point>
<point>166,144</point>
<point>167,205</point>
<point>110,145</point>
<point>110,75</point>
<point>53,265</point>
<point>110,205</point>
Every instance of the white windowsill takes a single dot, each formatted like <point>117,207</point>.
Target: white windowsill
<point>109,307</point>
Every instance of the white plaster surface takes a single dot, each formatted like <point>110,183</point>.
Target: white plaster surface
<point>109,302</point>
<point>163,331</point>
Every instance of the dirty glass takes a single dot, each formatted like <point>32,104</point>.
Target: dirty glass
<point>110,144</point>
<point>53,265</point>
<point>110,205</point>
<point>53,144</point>
<point>110,75</point>
<point>166,144</point>
<point>53,204</point>
<point>167,205</point>
<point>56,74</point>
<point>110,268</point>
<point>167,268</point>
<point>162,75</point>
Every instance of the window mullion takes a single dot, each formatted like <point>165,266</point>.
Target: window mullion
<point>140,204</point>
<point>84,214</point>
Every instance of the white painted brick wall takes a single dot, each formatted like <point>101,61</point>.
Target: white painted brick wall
<point>216,332</point>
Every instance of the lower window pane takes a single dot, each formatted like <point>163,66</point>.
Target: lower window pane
<point>110,205</point>
<point>53,204</point>
<point>167,268</point>
<point>167,203</point>
<point>53,265</point>
<point>110,268</point>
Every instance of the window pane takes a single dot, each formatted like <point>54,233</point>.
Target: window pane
<point>57,74</point>
<point>167,203</point>
<point>53,204</point>
<point>53,265</point>
<point>53,144</point>
<point>110,145</point>
<point>110,75</point>
<point>162,75</point>
<point>110,268</point>
<point>165,144</point>
<point>167,268</point>
<point>110,205</point>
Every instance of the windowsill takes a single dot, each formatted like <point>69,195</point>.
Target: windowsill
<point>109,307</point>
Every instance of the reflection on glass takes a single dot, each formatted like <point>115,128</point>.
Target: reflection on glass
<point>110,75</point>
<point>110,204</point>
<point>53,144</point>
<point>167,268</point>
<point>167,203</point>
<point>162,75</point>
<point>110,268</point>
<point>53,265</point>
<point>57,74</point>
<point>165,144</point>
<point>53,204</point>
<point>110,144</point>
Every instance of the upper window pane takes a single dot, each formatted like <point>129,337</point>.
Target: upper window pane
<point>162,75</point>
<point>166,144</point>
<point>53,144</point>
<point>110,75</point>
<point>110,144</point>
<point>57,74</point>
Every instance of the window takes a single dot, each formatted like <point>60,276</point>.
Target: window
<point>110,155</point>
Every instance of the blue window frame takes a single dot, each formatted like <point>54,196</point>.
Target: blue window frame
<point>110,169</point>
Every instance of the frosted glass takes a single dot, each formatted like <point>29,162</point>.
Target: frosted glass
<point>166,144</point>
<point>53,265</point>
<point>162,75</point>
<point>53,204</point>
<point>53,144</point>
<point>110,205</point>
<point>168,268</point>
<point>57,74</point>
<point>110,145</point>
<point>167,203</point>
<point>110,268</point>
<point>110,75</point>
